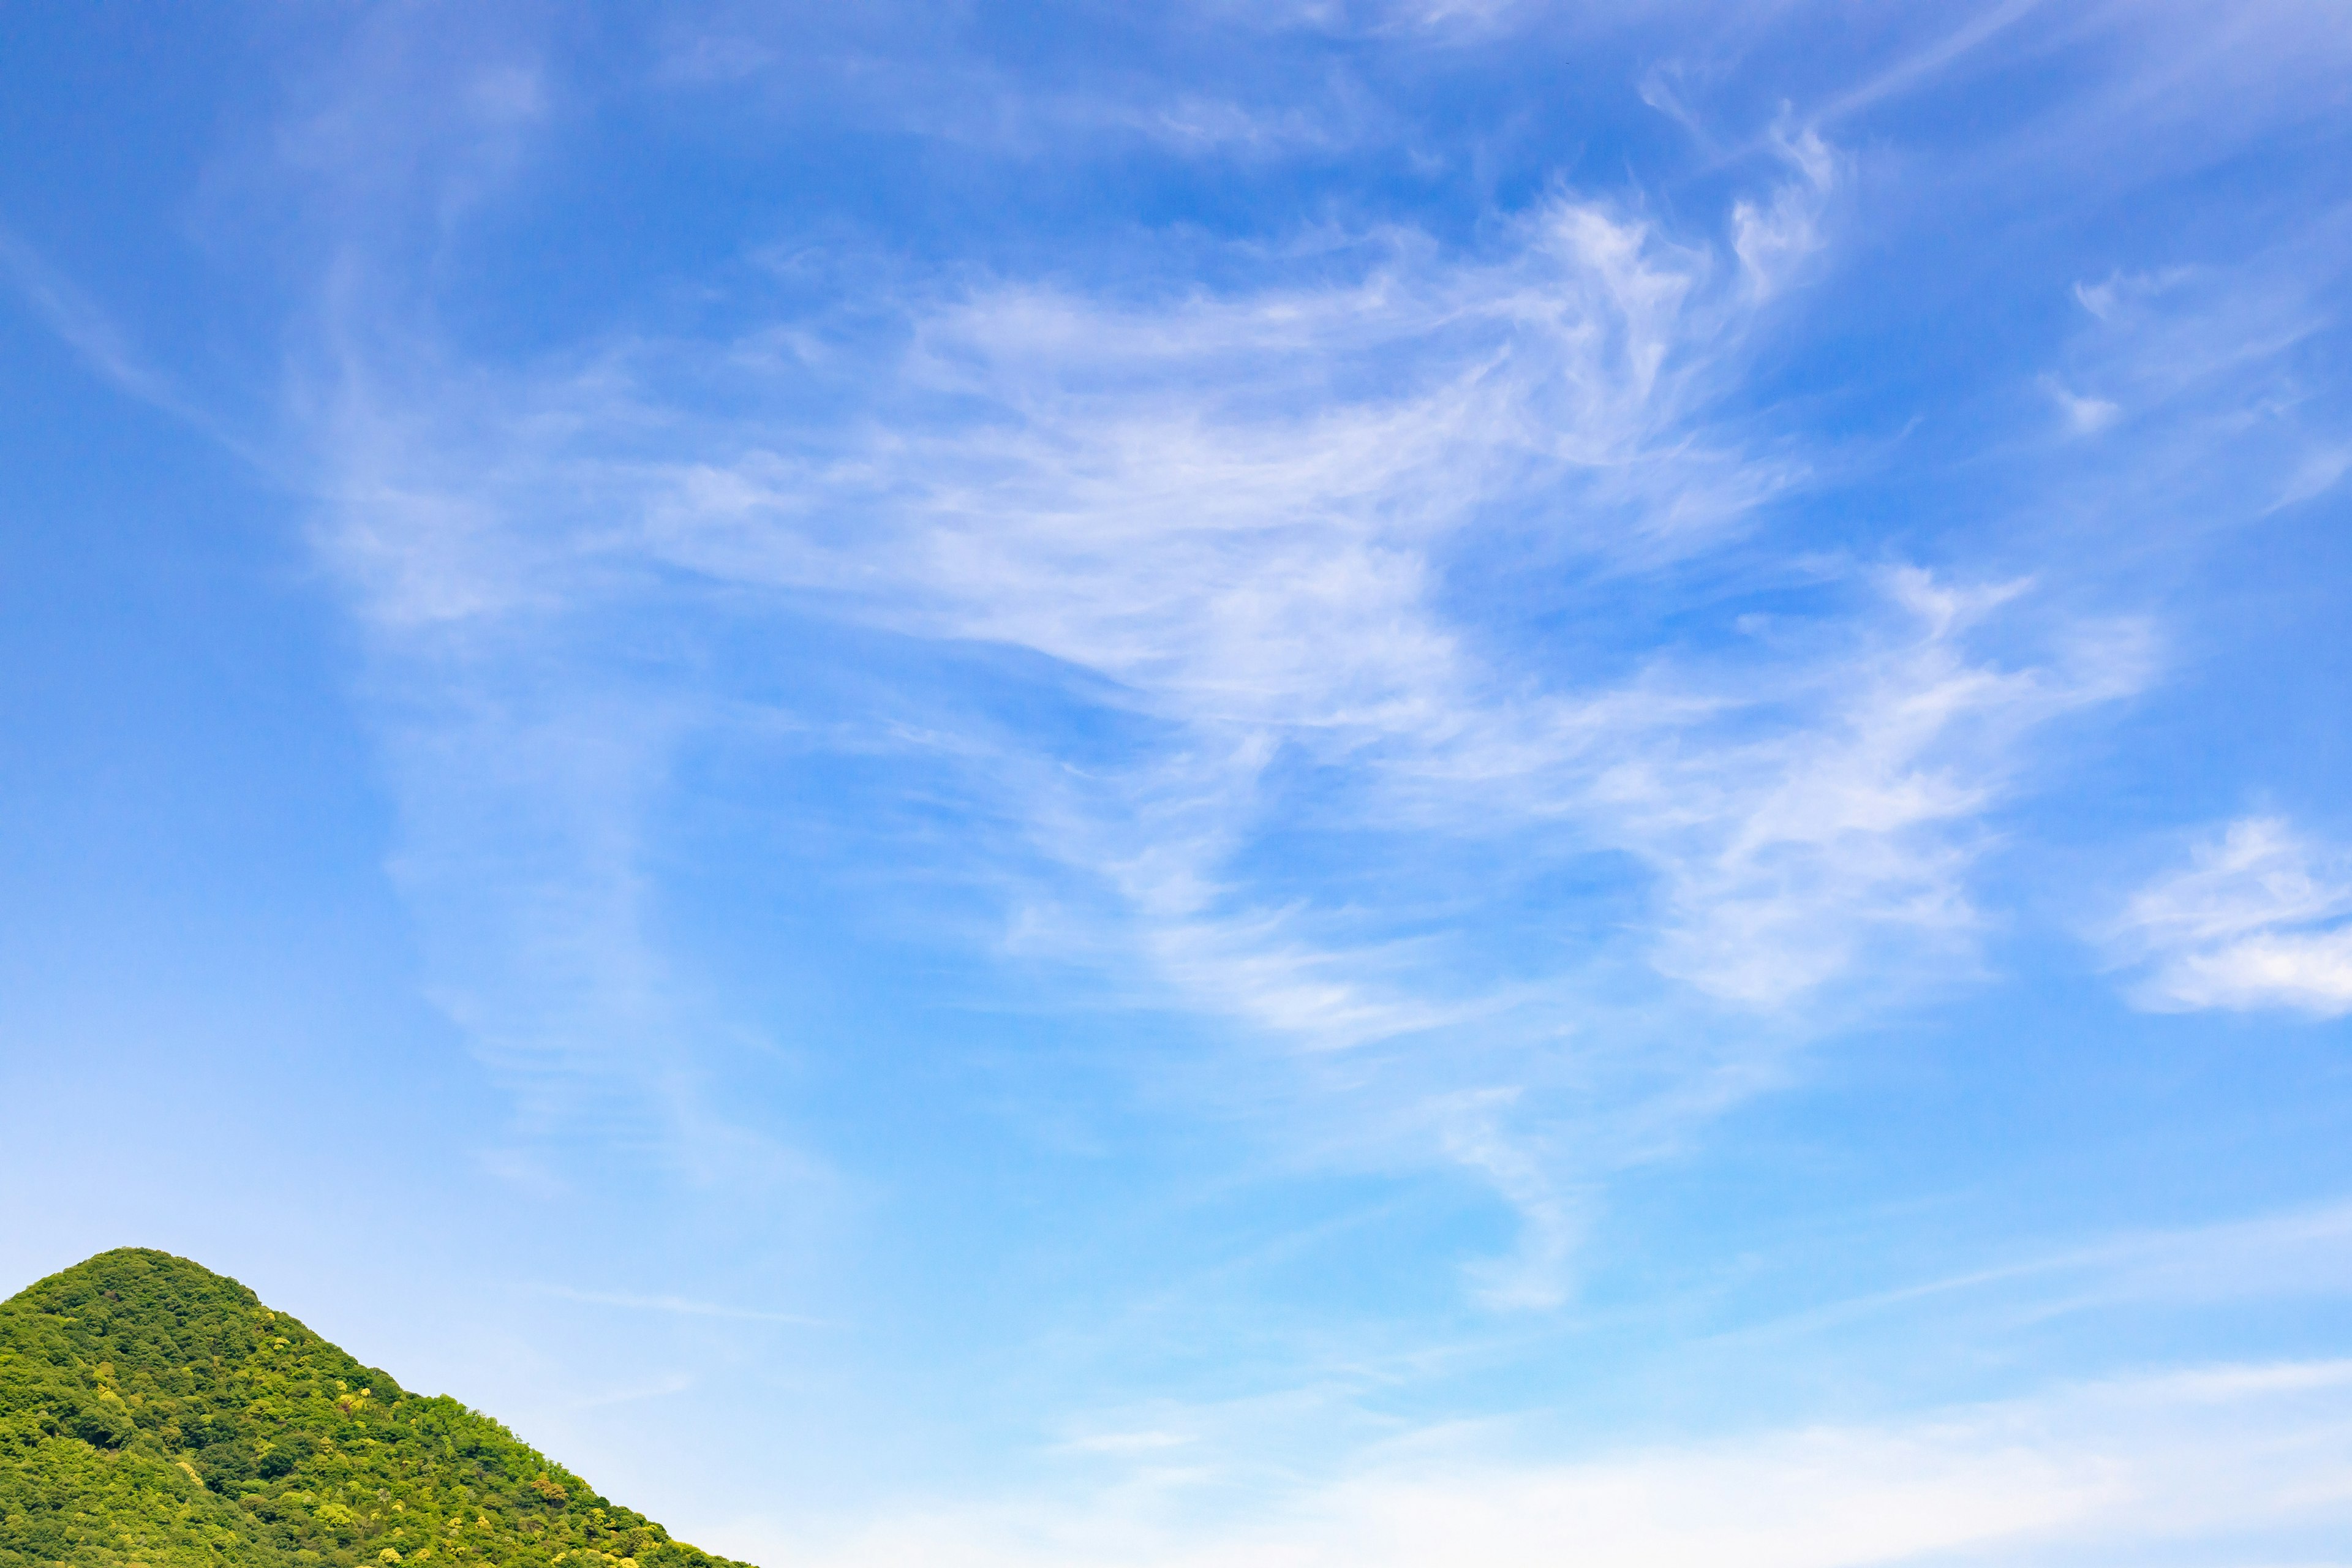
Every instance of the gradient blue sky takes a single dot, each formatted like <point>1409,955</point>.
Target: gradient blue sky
<point>1265,785</point>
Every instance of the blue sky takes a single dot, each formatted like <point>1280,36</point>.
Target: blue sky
<point>1266,784</point>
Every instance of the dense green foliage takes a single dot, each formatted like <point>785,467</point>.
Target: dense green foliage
<point>154,1413</point>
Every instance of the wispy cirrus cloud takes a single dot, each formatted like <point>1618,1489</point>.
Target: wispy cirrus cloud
<point>1783,855</point>
<point>83,324</point>
<point>108,348</point>
<point>1244,518</point>
<point>2299,1255</point>
<point>1264,521</point>
<point>2257,919</point>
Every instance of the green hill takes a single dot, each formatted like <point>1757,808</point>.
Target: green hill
<point>154,1413</point>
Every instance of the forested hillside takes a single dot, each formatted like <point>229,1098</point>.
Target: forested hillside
<point>152,1412</point>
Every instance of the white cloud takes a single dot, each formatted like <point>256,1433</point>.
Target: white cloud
<point>1240,510</point>
<point>2311,972</point>
<point>1785,855</point>
<point>2317,475</point>
<point>2204,1467</point>
<point>2124,296</point>
<point>1232,507</point>
<point>1773,238</point>
<point>2257,921</point>
<point>1192,503</point>
<point>1239,515</point>
<point>2085,414</point>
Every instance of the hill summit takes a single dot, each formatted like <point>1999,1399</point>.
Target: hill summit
<point>156,1414</point>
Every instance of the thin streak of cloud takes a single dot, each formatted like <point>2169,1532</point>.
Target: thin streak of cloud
<point>1925,65</point>
<point>82,324</point>
<point>680,1306</point>
<point>87,328</point>
<point>2299,1255</point>
<point>660,1389</point>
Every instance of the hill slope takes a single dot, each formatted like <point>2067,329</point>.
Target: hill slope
<point>152,1412</point>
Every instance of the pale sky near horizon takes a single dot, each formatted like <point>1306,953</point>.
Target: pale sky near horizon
<point>1283,784</point>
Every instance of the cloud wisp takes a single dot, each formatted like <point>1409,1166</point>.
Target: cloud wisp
<point>2257,919</point>
<point>681,1306</point>
<point>1252,524</point>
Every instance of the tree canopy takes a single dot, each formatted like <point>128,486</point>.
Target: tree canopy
<point>153,1413</point>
